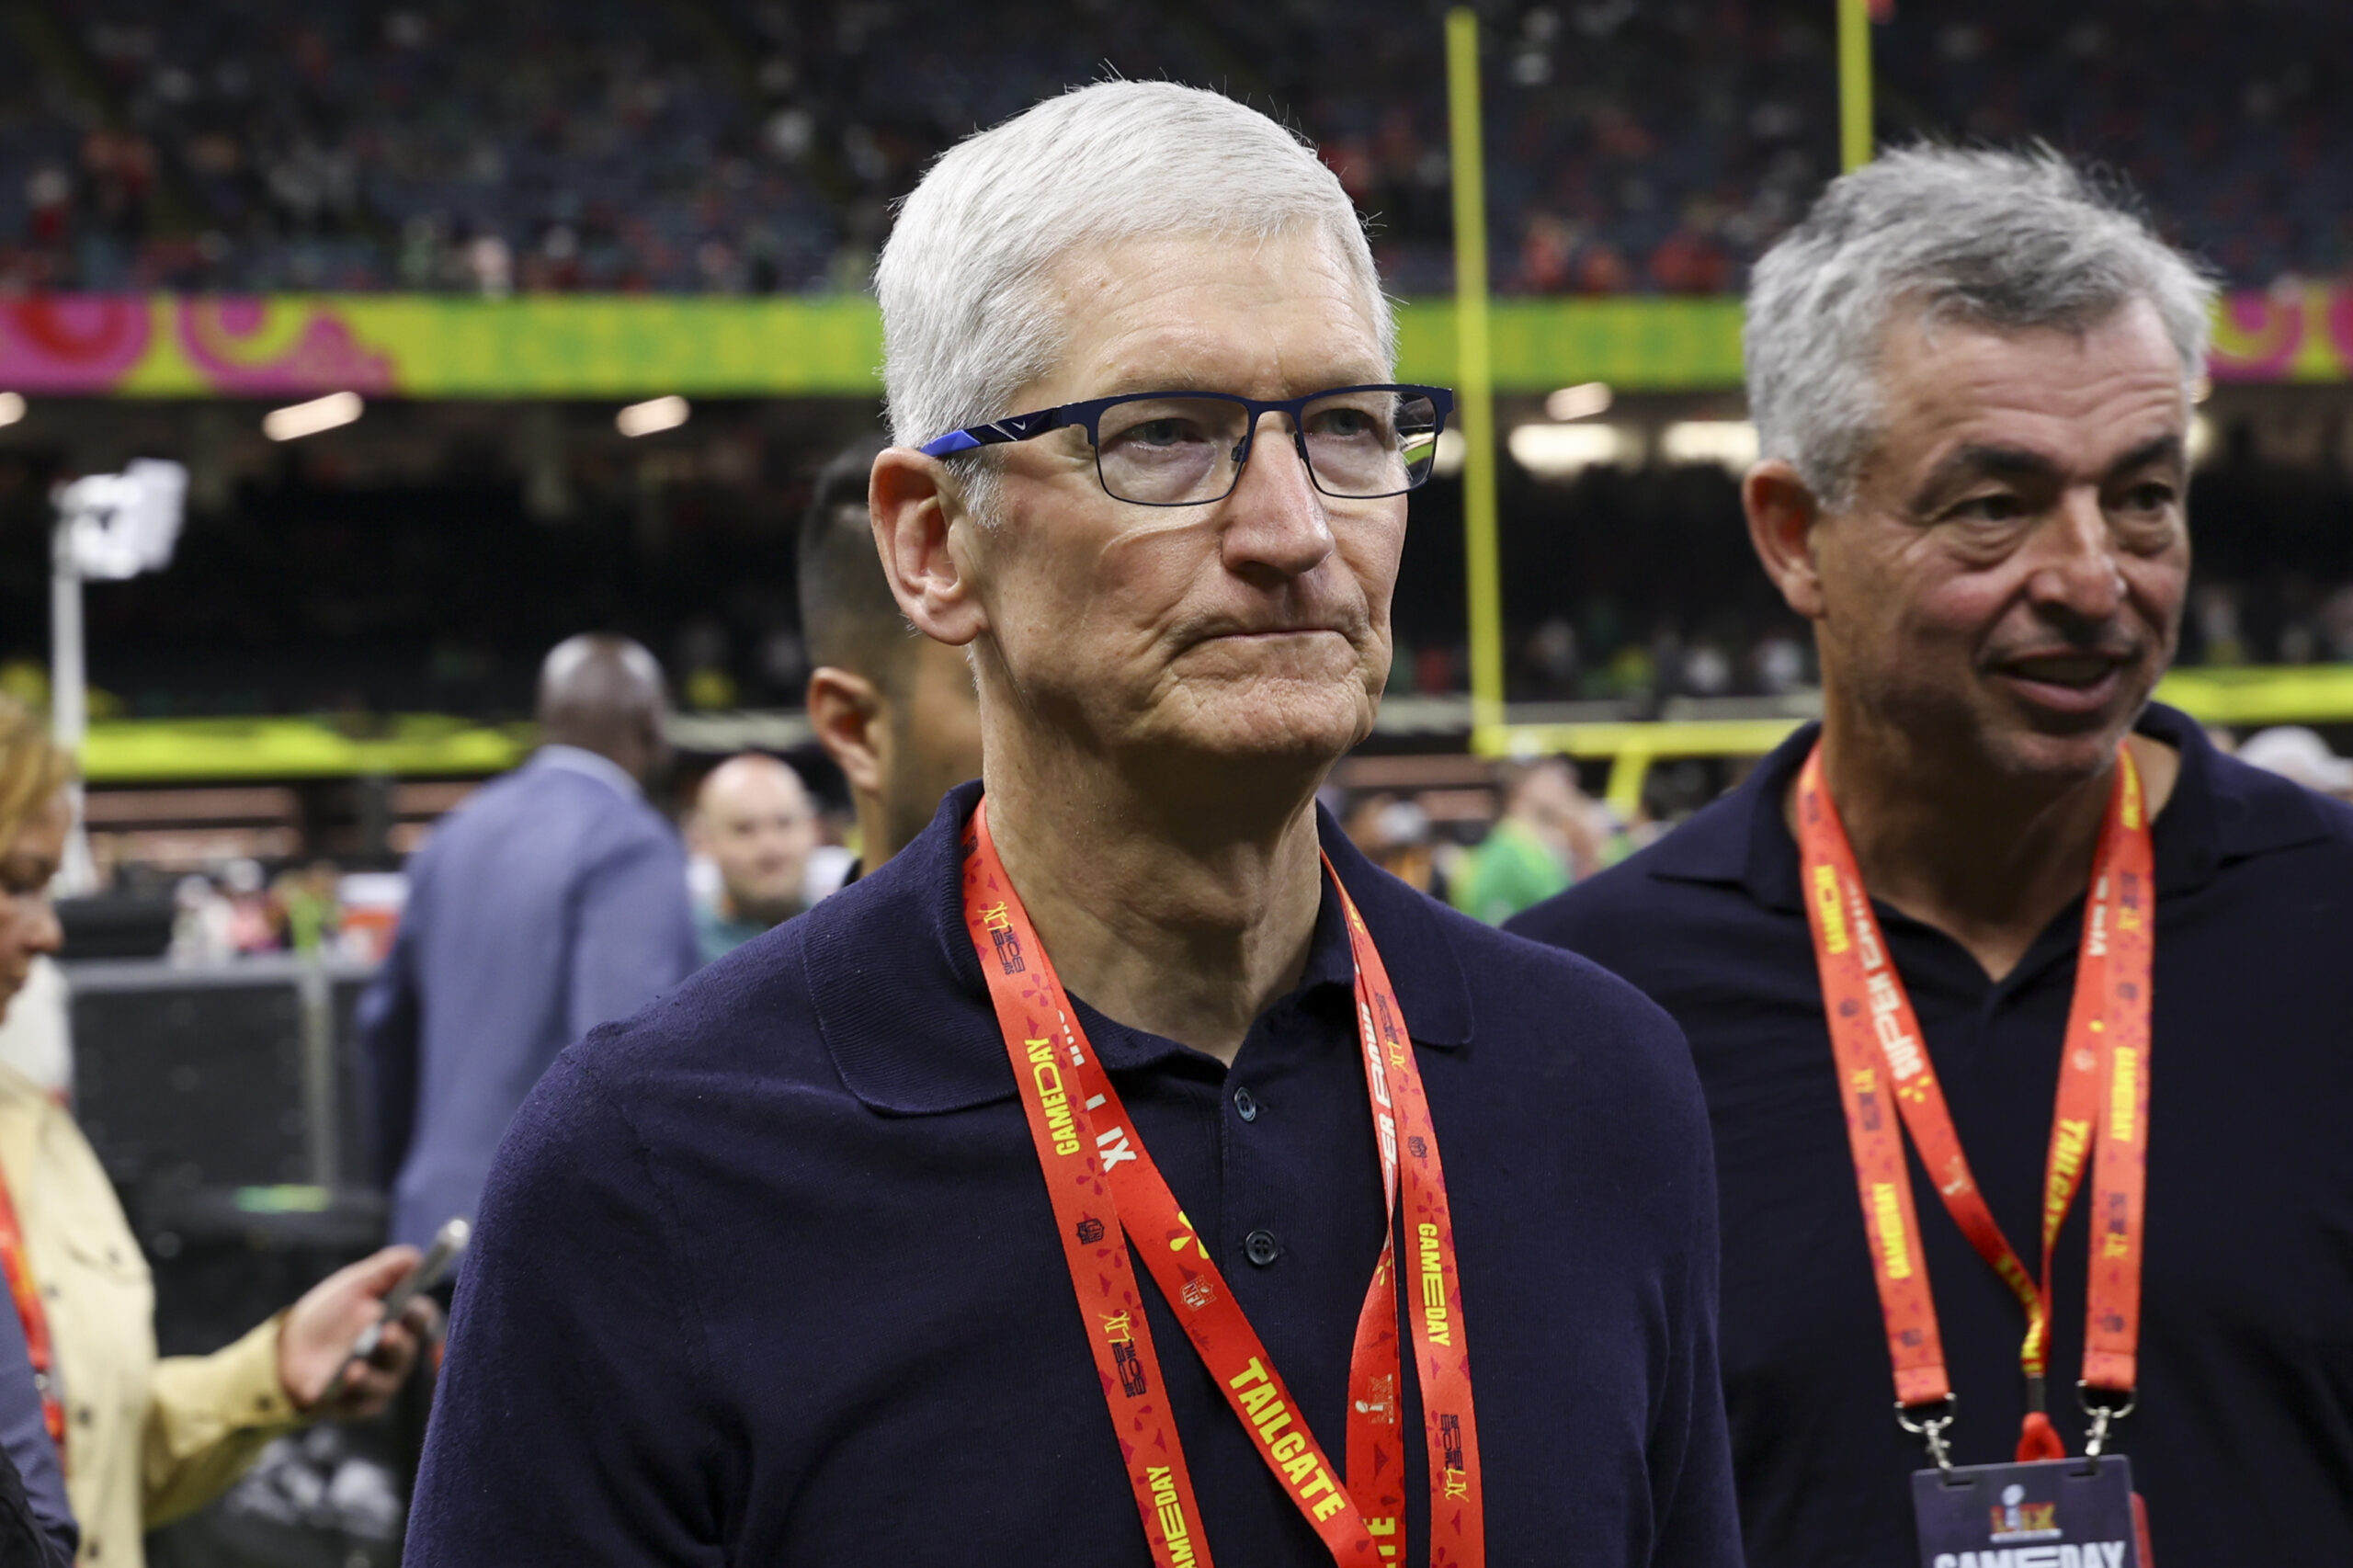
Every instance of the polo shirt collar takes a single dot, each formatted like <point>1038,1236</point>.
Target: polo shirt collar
<point>904,1011</point>
<point>2220,811</point>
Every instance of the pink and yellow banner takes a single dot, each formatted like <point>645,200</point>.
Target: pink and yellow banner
<point>570,345</point>
<point>437,346</point>
<point>2301,334</point>
<point>131,343</point>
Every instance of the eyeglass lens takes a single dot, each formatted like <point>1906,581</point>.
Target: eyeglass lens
<point>1174,451</point>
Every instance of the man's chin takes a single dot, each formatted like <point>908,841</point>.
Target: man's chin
<point>2078,749</point>
<point>769,911</point>
<point>2063,730</point>
<point>1275,724</point>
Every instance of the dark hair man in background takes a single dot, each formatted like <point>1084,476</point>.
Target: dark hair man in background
<point>553,900</point>
<point>894,711</point>
<point>1971,374</point>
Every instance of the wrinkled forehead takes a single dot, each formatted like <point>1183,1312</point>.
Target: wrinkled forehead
<point>2078,397</point>
<point>1223,312</point>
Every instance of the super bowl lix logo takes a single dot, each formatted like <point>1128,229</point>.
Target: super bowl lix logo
<point>2018,1520</point>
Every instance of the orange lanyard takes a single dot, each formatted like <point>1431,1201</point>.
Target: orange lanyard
<point>1107,1191</point>
<point>18,1268</point>
<point>2102,1120</point>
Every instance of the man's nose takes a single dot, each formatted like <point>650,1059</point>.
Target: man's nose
<point>2074,566</point>
<point>1276,519</point>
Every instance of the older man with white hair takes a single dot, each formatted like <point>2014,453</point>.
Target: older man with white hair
<point>1126,1172</point>
<point>1983,907</point>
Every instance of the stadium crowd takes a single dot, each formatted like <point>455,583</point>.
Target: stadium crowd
<point>736,146</point>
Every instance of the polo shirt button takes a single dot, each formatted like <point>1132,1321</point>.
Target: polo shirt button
<point>1245,1105</point>
<point>1261,1247</point>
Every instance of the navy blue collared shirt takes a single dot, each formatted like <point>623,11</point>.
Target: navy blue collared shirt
<point>767,1274</point>
<point>2243,1443</point>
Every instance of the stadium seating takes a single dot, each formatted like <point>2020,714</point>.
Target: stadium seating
<point>754,146</point>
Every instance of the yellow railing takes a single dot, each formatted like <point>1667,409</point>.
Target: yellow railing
<point>1630,747</point>
<point>198,751</point>
<point>2248,697</point>
<point>195,751</point>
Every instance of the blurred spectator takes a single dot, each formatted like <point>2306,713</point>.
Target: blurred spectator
<point>1395,835</point>
<point>553,900</point>
<point>307,907</point>
<point>367,914</point>
<point>894,711</point>
<point>2294,752</point>
<point>37,1527</point>
<point>253,924</point>
<point>203,925</point>
<point>754,821</point>
<point>149,1439</point>
<point>1545,838</point>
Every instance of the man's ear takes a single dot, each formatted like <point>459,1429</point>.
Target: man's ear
<point>916,507</point>
<point>1782,512</point>
<point>847,712</point>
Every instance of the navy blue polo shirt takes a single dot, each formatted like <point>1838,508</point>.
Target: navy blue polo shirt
<point>2242,1444</point>
<point>768,1273</point>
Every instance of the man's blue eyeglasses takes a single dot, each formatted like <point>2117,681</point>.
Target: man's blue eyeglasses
<point>1187,449</point>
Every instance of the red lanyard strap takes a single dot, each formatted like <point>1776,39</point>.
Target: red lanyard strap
<point>2101,1121</point>
<point>1106,1191</point>
<point>18,1266</point>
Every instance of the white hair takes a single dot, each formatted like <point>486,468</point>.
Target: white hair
<point>2004,241</point>
<point>968,317</point>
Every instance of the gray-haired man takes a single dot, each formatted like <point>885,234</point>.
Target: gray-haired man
<point>873,1243</point>
<point>1987,904</point>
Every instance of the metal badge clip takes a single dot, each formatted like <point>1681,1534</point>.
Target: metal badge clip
<point>1932,1427</point>
<point>2103,1416</point>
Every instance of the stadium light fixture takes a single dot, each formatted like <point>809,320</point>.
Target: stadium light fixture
<point>1729,444</point>
<point>1560,451</point>
<point>301,419</point>
<point>12,407</point>
<point>652,415</point>
<point>1580,402</point>
<point>109,526</point>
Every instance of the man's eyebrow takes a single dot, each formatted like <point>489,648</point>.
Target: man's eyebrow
<point>1982,459</point>
<point>1992,461</point>
<point>2168,450</point>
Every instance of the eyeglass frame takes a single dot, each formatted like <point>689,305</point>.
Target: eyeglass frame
<point>1088,414</point>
